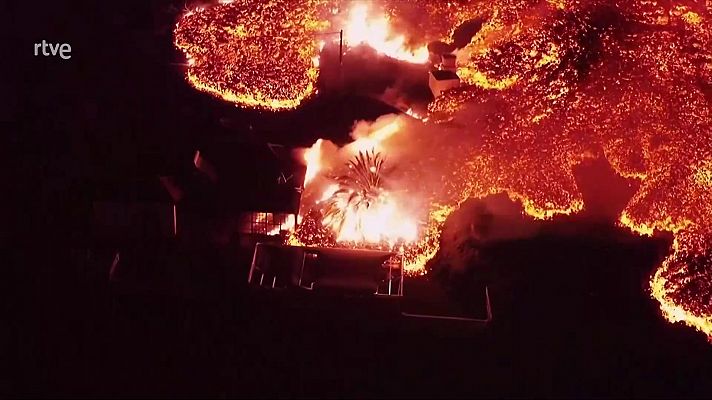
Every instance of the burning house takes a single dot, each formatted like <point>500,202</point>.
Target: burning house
<point>256,186</point>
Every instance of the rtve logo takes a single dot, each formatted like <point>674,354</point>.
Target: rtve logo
<point>64,49</point>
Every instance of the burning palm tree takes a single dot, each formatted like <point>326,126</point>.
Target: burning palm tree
<point>359,189</point>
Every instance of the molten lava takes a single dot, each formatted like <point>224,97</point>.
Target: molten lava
<point>630,82</point>
<point>547,84</point>
<point>255,53</point>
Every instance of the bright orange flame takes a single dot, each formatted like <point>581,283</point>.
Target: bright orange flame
<point>376,137</point>
<point>312,157</point>
<point>330,190</point>
<point>287,225</point>
<point>382,221</point>
<point>375,32</point>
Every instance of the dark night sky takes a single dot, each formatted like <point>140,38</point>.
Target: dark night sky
<point>117,85</point>
<point>73,121</point>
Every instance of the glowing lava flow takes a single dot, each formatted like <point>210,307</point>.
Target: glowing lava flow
<point>630,82</point>
<point>547,85</point>
<point>550,86</point>
<point>255,53</point>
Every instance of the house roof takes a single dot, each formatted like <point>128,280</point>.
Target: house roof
<point>444,75</point>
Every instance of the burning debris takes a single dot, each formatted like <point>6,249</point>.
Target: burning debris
<point>362,27</point>
<point>354,203</point>
<point>545,85</point>
<point>356,192</point>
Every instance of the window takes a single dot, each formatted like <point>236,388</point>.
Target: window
<point>264,223</point>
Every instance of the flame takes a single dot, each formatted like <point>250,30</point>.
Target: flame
<point>329,192</point>
<point>265,55</point>
<point>375,31</point>
<point>375,138</point>
<point>362,210</point>
<point>415,115</point>
<point>279,223</point>
<point>380,222</point>
<point>357,209</point>
<point>312,158</point>
<point>287,225</point>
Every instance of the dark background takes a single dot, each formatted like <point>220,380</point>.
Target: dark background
<point>573,315</point>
